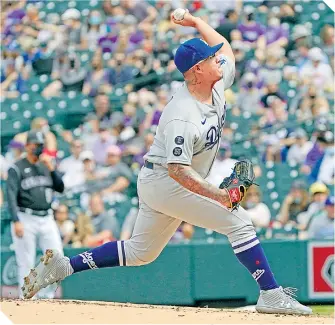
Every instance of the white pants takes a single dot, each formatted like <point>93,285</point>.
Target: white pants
<point>41,231</point>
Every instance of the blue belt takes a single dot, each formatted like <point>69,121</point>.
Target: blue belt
<point>148,164</point>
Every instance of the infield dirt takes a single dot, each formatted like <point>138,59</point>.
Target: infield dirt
<point>92,312</point>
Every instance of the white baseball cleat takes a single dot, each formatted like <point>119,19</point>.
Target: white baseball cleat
<point>54,267</point>
<point>281,301</point>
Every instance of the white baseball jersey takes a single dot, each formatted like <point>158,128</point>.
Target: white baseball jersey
<point>189,132</point>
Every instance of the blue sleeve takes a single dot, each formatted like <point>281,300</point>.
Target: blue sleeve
<point>57,181</point>
<point>315,171</point>
<point>13,185</point>
<point>21,85</point>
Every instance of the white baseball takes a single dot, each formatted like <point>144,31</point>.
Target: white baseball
<point>179,13</point>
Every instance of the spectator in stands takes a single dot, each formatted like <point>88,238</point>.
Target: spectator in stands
<point>327,37</point>
<point>301,59</point>
<point>152,118</point>
<point>271,91</point>
<point>300,148</point>
<point>115,175</point>
<point>14,152</point>
<point>324,169</point>
<point>249,95</point>
<point>4,166</point>
<point>258,211</point>
<point>303,103</point>
<point>87,157</point>
<point>65,225</point>
<point>118,71</point>
<point>239,50</point>
<point>11,59</point>
<point>276,34</point>
<point>31,51</point>
<point>12,78</point>
<point>272,70</point>
<point>85,234</point>
<point>236,35</point>
<point>294,203</point>
<point>74,28</point>
<point>322,224</point>
<point>318,73</point>
<point>130,118</point>
<point>253,33</point>
<point>70,75</point>
<point>41,124</point>
<point>90,130</point>
<point>320,108</point>
<point>300,34</point>
<point>101,219</point>
<point>316,153</point>
<point>61,54</point>
<point>276,114</point>
<point>102,144</point>
<point>120,42</point>
<point>229,24</point>
<point>97,79</point>
<point>143,12</point>
<point>222,166</point>
<point>126,124</point>
<point>73,74</point>
<point>223,7</point>
<point>286,13</point>
<point>93,30</point>
<point>139,152</point>
<point>102,107</point>
<point>32,20</point>
<point>273,148</point>
<point>319,193</point>
<point>254,65</point>
<point>72,167</point>
<point>113,9</point>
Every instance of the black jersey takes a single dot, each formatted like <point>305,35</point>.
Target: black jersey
<point>31,186</point>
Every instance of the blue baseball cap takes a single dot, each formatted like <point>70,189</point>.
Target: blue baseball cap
<point>330,200</point>
<point>192,52</point>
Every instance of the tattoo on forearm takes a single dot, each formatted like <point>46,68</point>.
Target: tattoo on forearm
<point>190,179</point>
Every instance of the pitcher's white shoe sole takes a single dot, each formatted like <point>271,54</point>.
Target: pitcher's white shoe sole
<point>287,311</point>
<point>281,301</point>
<point>53,267</point>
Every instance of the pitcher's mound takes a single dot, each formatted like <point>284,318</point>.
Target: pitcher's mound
<point>83,312</point>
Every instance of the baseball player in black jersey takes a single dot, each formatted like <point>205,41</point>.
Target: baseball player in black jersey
<point>30,186</point>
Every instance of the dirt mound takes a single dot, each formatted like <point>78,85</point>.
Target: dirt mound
<point>92,312</point>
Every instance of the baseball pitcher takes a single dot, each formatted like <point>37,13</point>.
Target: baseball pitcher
<point>172,186</point>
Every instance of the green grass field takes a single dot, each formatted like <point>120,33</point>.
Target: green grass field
<point>323,309</point>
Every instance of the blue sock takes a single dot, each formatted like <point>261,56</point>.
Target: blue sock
<point>251,255</point>
<point>106,255</point>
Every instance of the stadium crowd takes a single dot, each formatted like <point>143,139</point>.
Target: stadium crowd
<point>117,57</point>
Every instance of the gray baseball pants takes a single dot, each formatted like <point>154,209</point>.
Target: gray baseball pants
<point>164,204</point>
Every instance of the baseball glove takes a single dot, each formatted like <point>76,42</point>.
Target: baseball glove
<point>239,182</point>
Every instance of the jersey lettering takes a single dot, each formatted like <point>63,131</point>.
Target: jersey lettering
<point>35,181</point>
<point>214,134</point>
